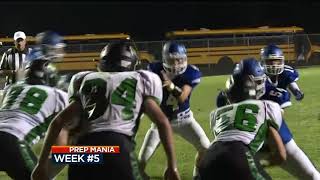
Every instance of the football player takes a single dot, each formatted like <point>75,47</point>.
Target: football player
<point>297,163</point>
<point>280,75</point>
<point>241,128</point>
<point>27,109</point>
<point>51,45</point>
<point>179,79</point>
<point>113,101</point>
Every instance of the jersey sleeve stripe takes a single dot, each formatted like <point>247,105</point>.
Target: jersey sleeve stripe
<point>61,100</point>
<point>273,124</point>
<point>281,90</point>
<point>196,81</point>
<point>286,104</point>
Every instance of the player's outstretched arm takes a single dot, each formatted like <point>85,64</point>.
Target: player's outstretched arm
<point>62,140</point>
<point>41,170</point>
<point>153,110</point>
<point>278,150</point>
<point>294,88</point>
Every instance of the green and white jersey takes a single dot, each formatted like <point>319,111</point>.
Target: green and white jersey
<point>113,101</point>
<point>247,121</point>
<point>27,110</point>
<point>74,86</point>
<point>76,125</point>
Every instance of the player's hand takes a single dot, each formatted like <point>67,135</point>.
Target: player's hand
<point>40,172</point>
<point>299,95</point>
<point>166,80</point>
<point>20,74</point>
<point>172,174</point>
<point>165,76</point>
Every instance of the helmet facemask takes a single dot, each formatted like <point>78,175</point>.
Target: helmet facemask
<point>52,77</point>
<point>118,57</point>
<point>51,45</point>
<point>255,86</point>
<point>251,87</point>
<point>129,59</point>
<point>41,72</point>
<point>54,53</point>
<point>175,63</point>
<point>273,66</point>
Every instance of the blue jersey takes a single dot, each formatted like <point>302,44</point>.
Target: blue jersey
<point>288,76</point>
<point>170,105</point>
<point>278,95</point>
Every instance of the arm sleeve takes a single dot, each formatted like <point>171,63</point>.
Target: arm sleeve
<point>294,86</point>
<point>74,86</point>
<point>293,76</point>
<point>213,121</point>
<point>62,100</point>
<point>273,114</point>
<point>284,99</point>
<point>152,85</point>
<point>194,76</point>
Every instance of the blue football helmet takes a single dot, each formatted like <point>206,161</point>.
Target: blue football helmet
<point>118,57</point>
<point>51,45</point>
<point>248,80</point>
<point>272,59</point>
<point>40,71</point>
<point>174,58</point>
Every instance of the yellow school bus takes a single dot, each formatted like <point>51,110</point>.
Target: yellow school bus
<point>75,38</point>
<point>223,48</point>
<point>83,51</point>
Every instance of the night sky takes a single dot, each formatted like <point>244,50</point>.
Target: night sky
<point>150,20</point>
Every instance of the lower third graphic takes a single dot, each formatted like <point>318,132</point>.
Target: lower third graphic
<point>81,154</point>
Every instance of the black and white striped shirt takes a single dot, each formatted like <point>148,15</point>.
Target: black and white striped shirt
<point>13,59</point>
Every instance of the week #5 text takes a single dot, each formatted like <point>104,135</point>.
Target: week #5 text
<point>81,154</point>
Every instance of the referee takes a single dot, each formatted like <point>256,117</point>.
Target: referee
<point>12,61</point>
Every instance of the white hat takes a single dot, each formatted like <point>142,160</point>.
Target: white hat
<point>19,34</point>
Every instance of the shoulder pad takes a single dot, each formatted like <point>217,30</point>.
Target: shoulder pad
<point>194,67</point>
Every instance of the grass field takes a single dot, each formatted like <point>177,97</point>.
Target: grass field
<point>302,118</point>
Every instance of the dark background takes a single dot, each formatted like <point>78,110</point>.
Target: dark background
<point>150,20</point>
